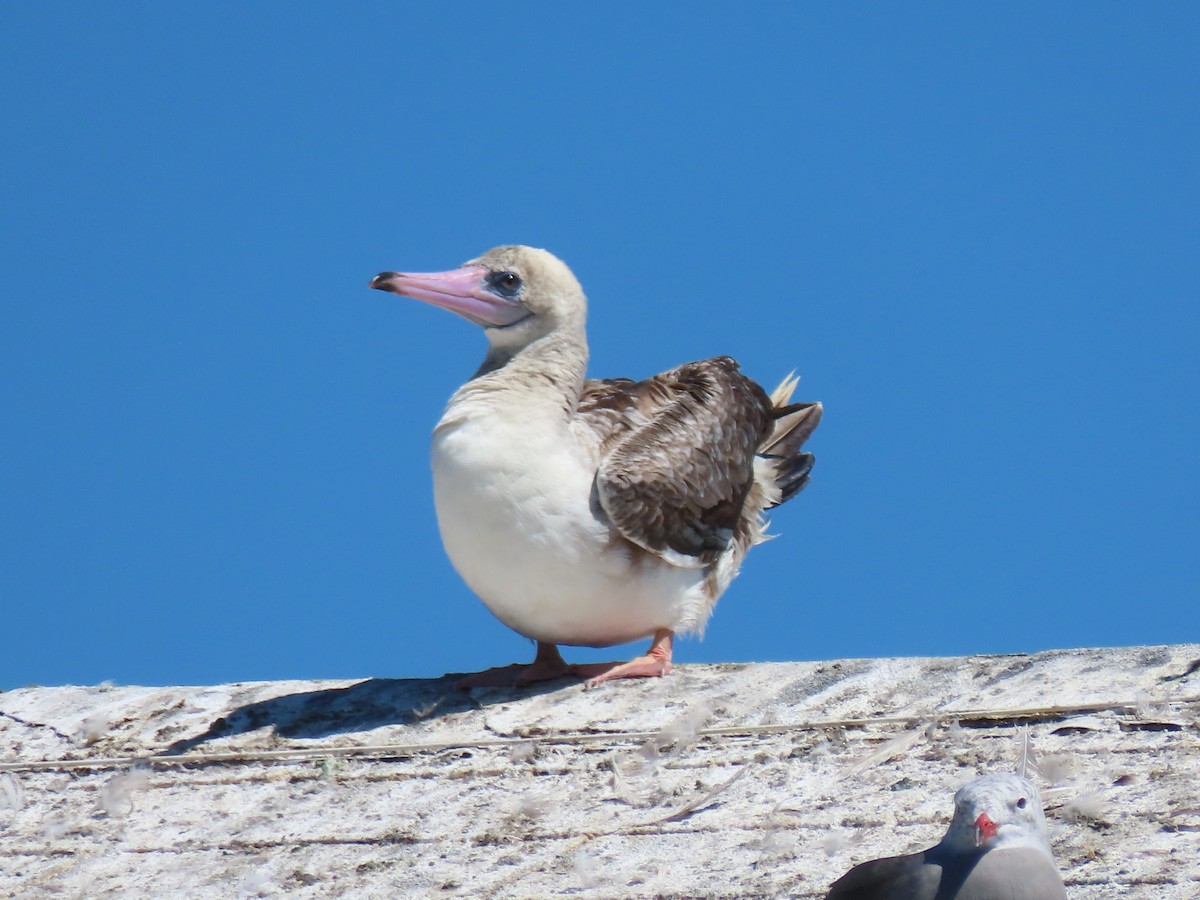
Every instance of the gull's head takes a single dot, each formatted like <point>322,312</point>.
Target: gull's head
<point>517,294</point>
<point>997,811</point>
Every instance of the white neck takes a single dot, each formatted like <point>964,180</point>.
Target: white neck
<point>543,380</point>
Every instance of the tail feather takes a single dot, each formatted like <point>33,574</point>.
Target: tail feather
<point>782,394</point>
<point>791,476</point>
<point>794,423</point>
<point>793,426</point>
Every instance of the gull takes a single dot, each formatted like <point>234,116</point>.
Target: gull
<point>996,848</point>
<point>596,512</point>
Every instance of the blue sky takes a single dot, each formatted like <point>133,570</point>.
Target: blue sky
<point>975,232</point>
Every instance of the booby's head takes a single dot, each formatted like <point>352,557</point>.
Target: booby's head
<point>517,294</point>
<point>997,811</point>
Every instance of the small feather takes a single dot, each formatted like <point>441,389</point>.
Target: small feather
<point>783,393</point>
<point>1026,761</point>
<point>897,746</point>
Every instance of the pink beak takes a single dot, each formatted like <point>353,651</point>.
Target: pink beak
<point>463,291</point>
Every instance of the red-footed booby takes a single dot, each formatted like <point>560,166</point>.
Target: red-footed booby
<point>592,513</point>
<point>996,848</point>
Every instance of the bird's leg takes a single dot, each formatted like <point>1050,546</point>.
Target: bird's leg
<point>546,666</point>
<point>655,663</point>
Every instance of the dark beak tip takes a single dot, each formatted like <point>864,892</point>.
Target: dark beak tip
<point>382,281</point>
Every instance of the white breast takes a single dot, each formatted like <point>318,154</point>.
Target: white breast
<point>513,504</point>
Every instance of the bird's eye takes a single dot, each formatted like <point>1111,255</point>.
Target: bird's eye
<point>506,284</point>
<point>1021,803</point>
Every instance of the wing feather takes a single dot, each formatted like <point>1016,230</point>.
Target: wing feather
<point>678,460</point>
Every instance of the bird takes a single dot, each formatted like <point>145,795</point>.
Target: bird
<point>996,848</point>
<point>595,512</point>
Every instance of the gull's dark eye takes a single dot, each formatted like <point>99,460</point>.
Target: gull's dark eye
<point>506,284</point>
<point>1021,803</point>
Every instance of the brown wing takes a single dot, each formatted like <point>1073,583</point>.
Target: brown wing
<point>679,454</point>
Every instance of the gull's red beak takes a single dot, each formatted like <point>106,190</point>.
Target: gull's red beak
<point>985,829</point>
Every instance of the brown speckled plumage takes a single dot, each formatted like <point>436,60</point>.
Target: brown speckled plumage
<point>681,461</point>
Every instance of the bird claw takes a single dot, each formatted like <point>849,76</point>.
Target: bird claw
<point>549,665</point>
<point>648,666</point>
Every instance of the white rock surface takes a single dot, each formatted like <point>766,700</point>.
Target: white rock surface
<point>766,780</point>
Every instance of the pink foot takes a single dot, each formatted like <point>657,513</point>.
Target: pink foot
<point>549,665</point>
<point>655,664</point>
<point>546,666</point>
